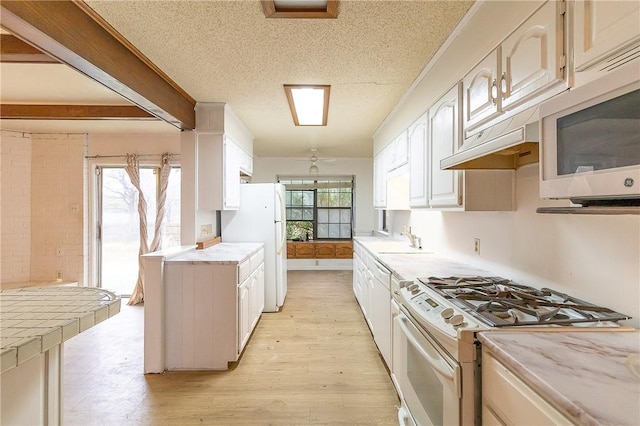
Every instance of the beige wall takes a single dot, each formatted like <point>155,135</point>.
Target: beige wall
<point>42,212</point>
<point>15,249</point>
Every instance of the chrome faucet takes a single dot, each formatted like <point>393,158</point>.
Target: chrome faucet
<point>413,239</point>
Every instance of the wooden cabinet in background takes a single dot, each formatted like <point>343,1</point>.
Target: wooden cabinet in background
<point>325,251</point>
<point>304,251</point>
<point>344,250</point>
<point>319,250</point>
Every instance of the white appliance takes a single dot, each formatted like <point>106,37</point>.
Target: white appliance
<point>590,140</point>
<point>436,355</point>
<point>261,218</point>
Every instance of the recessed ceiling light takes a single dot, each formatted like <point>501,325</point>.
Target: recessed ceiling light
<point>309,103</point>
<point>300,8</point>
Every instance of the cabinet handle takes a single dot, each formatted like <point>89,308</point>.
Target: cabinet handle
<point>494,91</point>
<point>504,88</point>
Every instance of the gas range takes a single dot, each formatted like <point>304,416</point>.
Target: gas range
<point>453,309</point>
<point>499,302</point>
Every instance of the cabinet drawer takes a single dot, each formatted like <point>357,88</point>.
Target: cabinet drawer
<point>256,259</point>
<point>512,401</point>
<point>244,270</point>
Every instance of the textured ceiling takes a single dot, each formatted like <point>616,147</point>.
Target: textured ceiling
<point>227,51</point>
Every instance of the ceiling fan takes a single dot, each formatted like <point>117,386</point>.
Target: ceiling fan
<point>314,160</point>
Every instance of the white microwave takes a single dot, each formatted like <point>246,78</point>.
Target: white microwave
<point>590,141</point>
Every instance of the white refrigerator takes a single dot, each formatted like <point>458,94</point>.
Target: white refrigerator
<point>262,218</point>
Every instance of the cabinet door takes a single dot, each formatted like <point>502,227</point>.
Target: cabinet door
<point>380,180</point>
<point>602,29</point>
<point>256,294</point>
<point>418,169</point>
<point>444,136</point>
<point>305,251</point>
<point>344,250</point>
<point>244,313</point>
<point>325,250</point>
<point>397,152</point>
<point>480,94</point>
<point>231,175</point>
<point>381,319</point>
<point>291,251</point>
<point>532,58</point>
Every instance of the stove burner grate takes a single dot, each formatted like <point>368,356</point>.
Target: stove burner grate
<point>500,302</point>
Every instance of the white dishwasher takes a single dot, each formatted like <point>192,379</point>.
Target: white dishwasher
<point>380,315</point>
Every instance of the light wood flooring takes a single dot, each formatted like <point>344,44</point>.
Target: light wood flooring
<point>314,362</point>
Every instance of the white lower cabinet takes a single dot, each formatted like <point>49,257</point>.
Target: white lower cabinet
<point>210,311</point>
<point>371,287</point>
<point>507,400</point>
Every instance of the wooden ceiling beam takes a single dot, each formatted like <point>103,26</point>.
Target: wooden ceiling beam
<point>73,112</point>
<point>74,34</point>
<point>12,49</point>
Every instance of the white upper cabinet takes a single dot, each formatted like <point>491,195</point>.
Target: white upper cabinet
<point>444,138</point>
<point>480,93</point>
<point>604,29</point>
<point>218,173</point>
<point>232,153</point>
<point>397,152</point>
<point>533,57</point>
<point>418,164</point>
<point>526,68</point>
<point>380,179</point>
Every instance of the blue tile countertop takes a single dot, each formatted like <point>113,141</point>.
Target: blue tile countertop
<point>35,319</point>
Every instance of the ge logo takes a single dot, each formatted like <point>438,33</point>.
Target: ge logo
<point>628,182</point>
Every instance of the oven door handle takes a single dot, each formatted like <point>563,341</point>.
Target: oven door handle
<point>429,353</point>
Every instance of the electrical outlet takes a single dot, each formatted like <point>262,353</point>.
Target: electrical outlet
<point>476,246</point>
<point>59,275</point>
<point>59,251</point>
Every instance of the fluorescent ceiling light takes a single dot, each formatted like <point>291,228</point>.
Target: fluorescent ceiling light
<point>309,104</point>
<point>305,9</point>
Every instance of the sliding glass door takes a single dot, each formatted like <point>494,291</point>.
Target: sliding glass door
<point>118,224</point>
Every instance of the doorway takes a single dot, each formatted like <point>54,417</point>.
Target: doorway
<point>118,224</point>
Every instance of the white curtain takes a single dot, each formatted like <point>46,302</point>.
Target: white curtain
<point>133,170</point>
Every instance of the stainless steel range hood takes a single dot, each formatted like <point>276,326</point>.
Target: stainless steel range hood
<point>508,144</point>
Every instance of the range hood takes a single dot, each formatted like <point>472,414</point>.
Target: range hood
<point>508,144</point>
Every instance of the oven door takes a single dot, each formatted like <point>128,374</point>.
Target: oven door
<point>429,379</point>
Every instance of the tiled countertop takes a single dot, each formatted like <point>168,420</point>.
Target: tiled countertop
<point>35,319</point>
<point>585,375</point>
<point>222,253</point>
<point>409,263</point>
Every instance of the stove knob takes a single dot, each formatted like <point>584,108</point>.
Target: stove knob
<point>447,313</point>
<point>456,320</point>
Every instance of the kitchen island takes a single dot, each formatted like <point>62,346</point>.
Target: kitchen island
<point>590,378</point>
<point>201,305</point>
<point>34,324</point>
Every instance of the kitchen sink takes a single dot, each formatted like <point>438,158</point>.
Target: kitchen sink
<point>394,247</point>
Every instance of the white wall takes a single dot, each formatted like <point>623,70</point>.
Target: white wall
<point>266,170</point>
<point>596,258</point>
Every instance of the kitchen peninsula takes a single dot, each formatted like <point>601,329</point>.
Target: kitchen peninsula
<point>201,305</point>
<point>34,324</point>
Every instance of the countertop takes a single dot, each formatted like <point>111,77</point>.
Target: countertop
<point>35,319</point>
<point>409,263</point>
<point>582,374</point>
<point>222,253</point>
